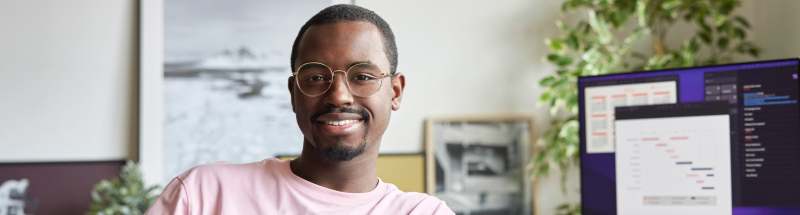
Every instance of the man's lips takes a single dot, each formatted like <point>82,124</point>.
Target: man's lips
<point>339,117</point>
<point>339,123</point>
<point>340,128</point>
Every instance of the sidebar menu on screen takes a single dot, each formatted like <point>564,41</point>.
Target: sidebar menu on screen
<point>722,86</point>
<point>768,137</point>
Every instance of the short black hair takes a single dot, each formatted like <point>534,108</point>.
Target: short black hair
<point>352,13</point>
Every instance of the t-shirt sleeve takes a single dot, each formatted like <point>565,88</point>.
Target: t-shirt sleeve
<point>173,200</point>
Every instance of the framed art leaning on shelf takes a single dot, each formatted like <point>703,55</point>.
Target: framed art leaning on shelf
<point>477,164</point>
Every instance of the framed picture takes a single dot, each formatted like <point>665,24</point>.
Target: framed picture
<point>213,78</point>
<point>478,164</point>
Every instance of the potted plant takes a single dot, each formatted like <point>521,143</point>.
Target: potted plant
<point>126,195</point>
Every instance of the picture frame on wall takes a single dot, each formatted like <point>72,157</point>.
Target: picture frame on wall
<point>477,164</point>
<point>212,82</point>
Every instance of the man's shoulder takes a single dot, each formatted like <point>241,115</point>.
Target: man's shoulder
<point>226,171</point>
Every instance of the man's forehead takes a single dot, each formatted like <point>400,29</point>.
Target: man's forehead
<point>342,41</point>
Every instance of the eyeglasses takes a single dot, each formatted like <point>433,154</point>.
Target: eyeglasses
<point>362,79</point>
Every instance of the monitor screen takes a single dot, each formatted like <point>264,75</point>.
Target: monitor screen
<point>705,140</point>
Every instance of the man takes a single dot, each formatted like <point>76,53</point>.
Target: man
<point>343,89</point>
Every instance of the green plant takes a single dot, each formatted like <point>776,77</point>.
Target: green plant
<point>124,195</point>
<point>602,44</point>
<point>567,209</point>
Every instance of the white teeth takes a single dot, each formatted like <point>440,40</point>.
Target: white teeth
<point>343,122</point>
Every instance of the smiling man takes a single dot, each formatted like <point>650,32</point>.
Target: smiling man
<point>344,87</point>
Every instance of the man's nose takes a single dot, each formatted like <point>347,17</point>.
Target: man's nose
<point>338,94</point>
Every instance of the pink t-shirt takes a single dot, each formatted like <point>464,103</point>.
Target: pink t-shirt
<point>270,187</point>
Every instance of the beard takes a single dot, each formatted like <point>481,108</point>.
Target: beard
<point>341,151</point>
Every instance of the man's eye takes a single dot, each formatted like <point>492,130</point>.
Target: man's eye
<point>316,78</point>
<point>362,78</point>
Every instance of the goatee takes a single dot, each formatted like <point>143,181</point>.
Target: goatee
<point>341,152</point>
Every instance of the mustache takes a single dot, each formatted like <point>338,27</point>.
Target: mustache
<point>361,112</point>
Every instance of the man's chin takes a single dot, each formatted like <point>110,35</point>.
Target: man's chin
<point>341,151</point>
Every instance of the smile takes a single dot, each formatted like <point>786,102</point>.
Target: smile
<point>340,127</point>
<point>342,122</point>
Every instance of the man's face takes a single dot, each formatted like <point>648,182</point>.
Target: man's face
<point>340,45</point>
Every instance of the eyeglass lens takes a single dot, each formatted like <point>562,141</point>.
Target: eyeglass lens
<point>362,79</point>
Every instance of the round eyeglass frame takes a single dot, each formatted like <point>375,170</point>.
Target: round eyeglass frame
<point>333,74</point>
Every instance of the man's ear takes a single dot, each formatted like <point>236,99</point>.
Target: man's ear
<point>398,85</point>
<point>291,91</point>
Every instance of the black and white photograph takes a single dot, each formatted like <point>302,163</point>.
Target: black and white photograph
<point>478,166</point>
<point>226,66</point>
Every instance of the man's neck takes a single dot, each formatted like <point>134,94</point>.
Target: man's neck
<point>354,176</point>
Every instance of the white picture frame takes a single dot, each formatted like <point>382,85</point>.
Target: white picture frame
<point>150,148</point>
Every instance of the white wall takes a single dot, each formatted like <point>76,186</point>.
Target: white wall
<point>777,23</point>
<point>67,80</point>
<point>464,58</point>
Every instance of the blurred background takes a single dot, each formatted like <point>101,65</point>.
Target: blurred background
<point>69,71</point>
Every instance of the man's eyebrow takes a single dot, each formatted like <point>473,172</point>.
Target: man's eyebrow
<point>359,62</point>
<point>315,65</point>
<point>351,65</point>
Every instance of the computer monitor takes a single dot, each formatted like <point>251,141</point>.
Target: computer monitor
<point>719,139</point>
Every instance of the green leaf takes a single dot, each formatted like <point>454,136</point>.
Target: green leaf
<point>722,43</point>
<point>591,55</point>
<point>705,37</point>
<point>719,19</point>
<point>670,4</point>
<point>738,33</point>
<point>674,14</point>
<point>544,98</point>
<point>572,103</point>
<point>572,41</point>
<point>562,26</point>
<point>704,26</point>
<point>553,58</point>
<point>547,81</point>
<point>572,127</point>
<point>742,21</point>
<point>555,44</point>
<point>754,52</point>
<point>693,46</point>
<point>565,61</point>
<point>600,28</point>
<point>637,34</point>
<point>724,27</point>
<point>641,11</point>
